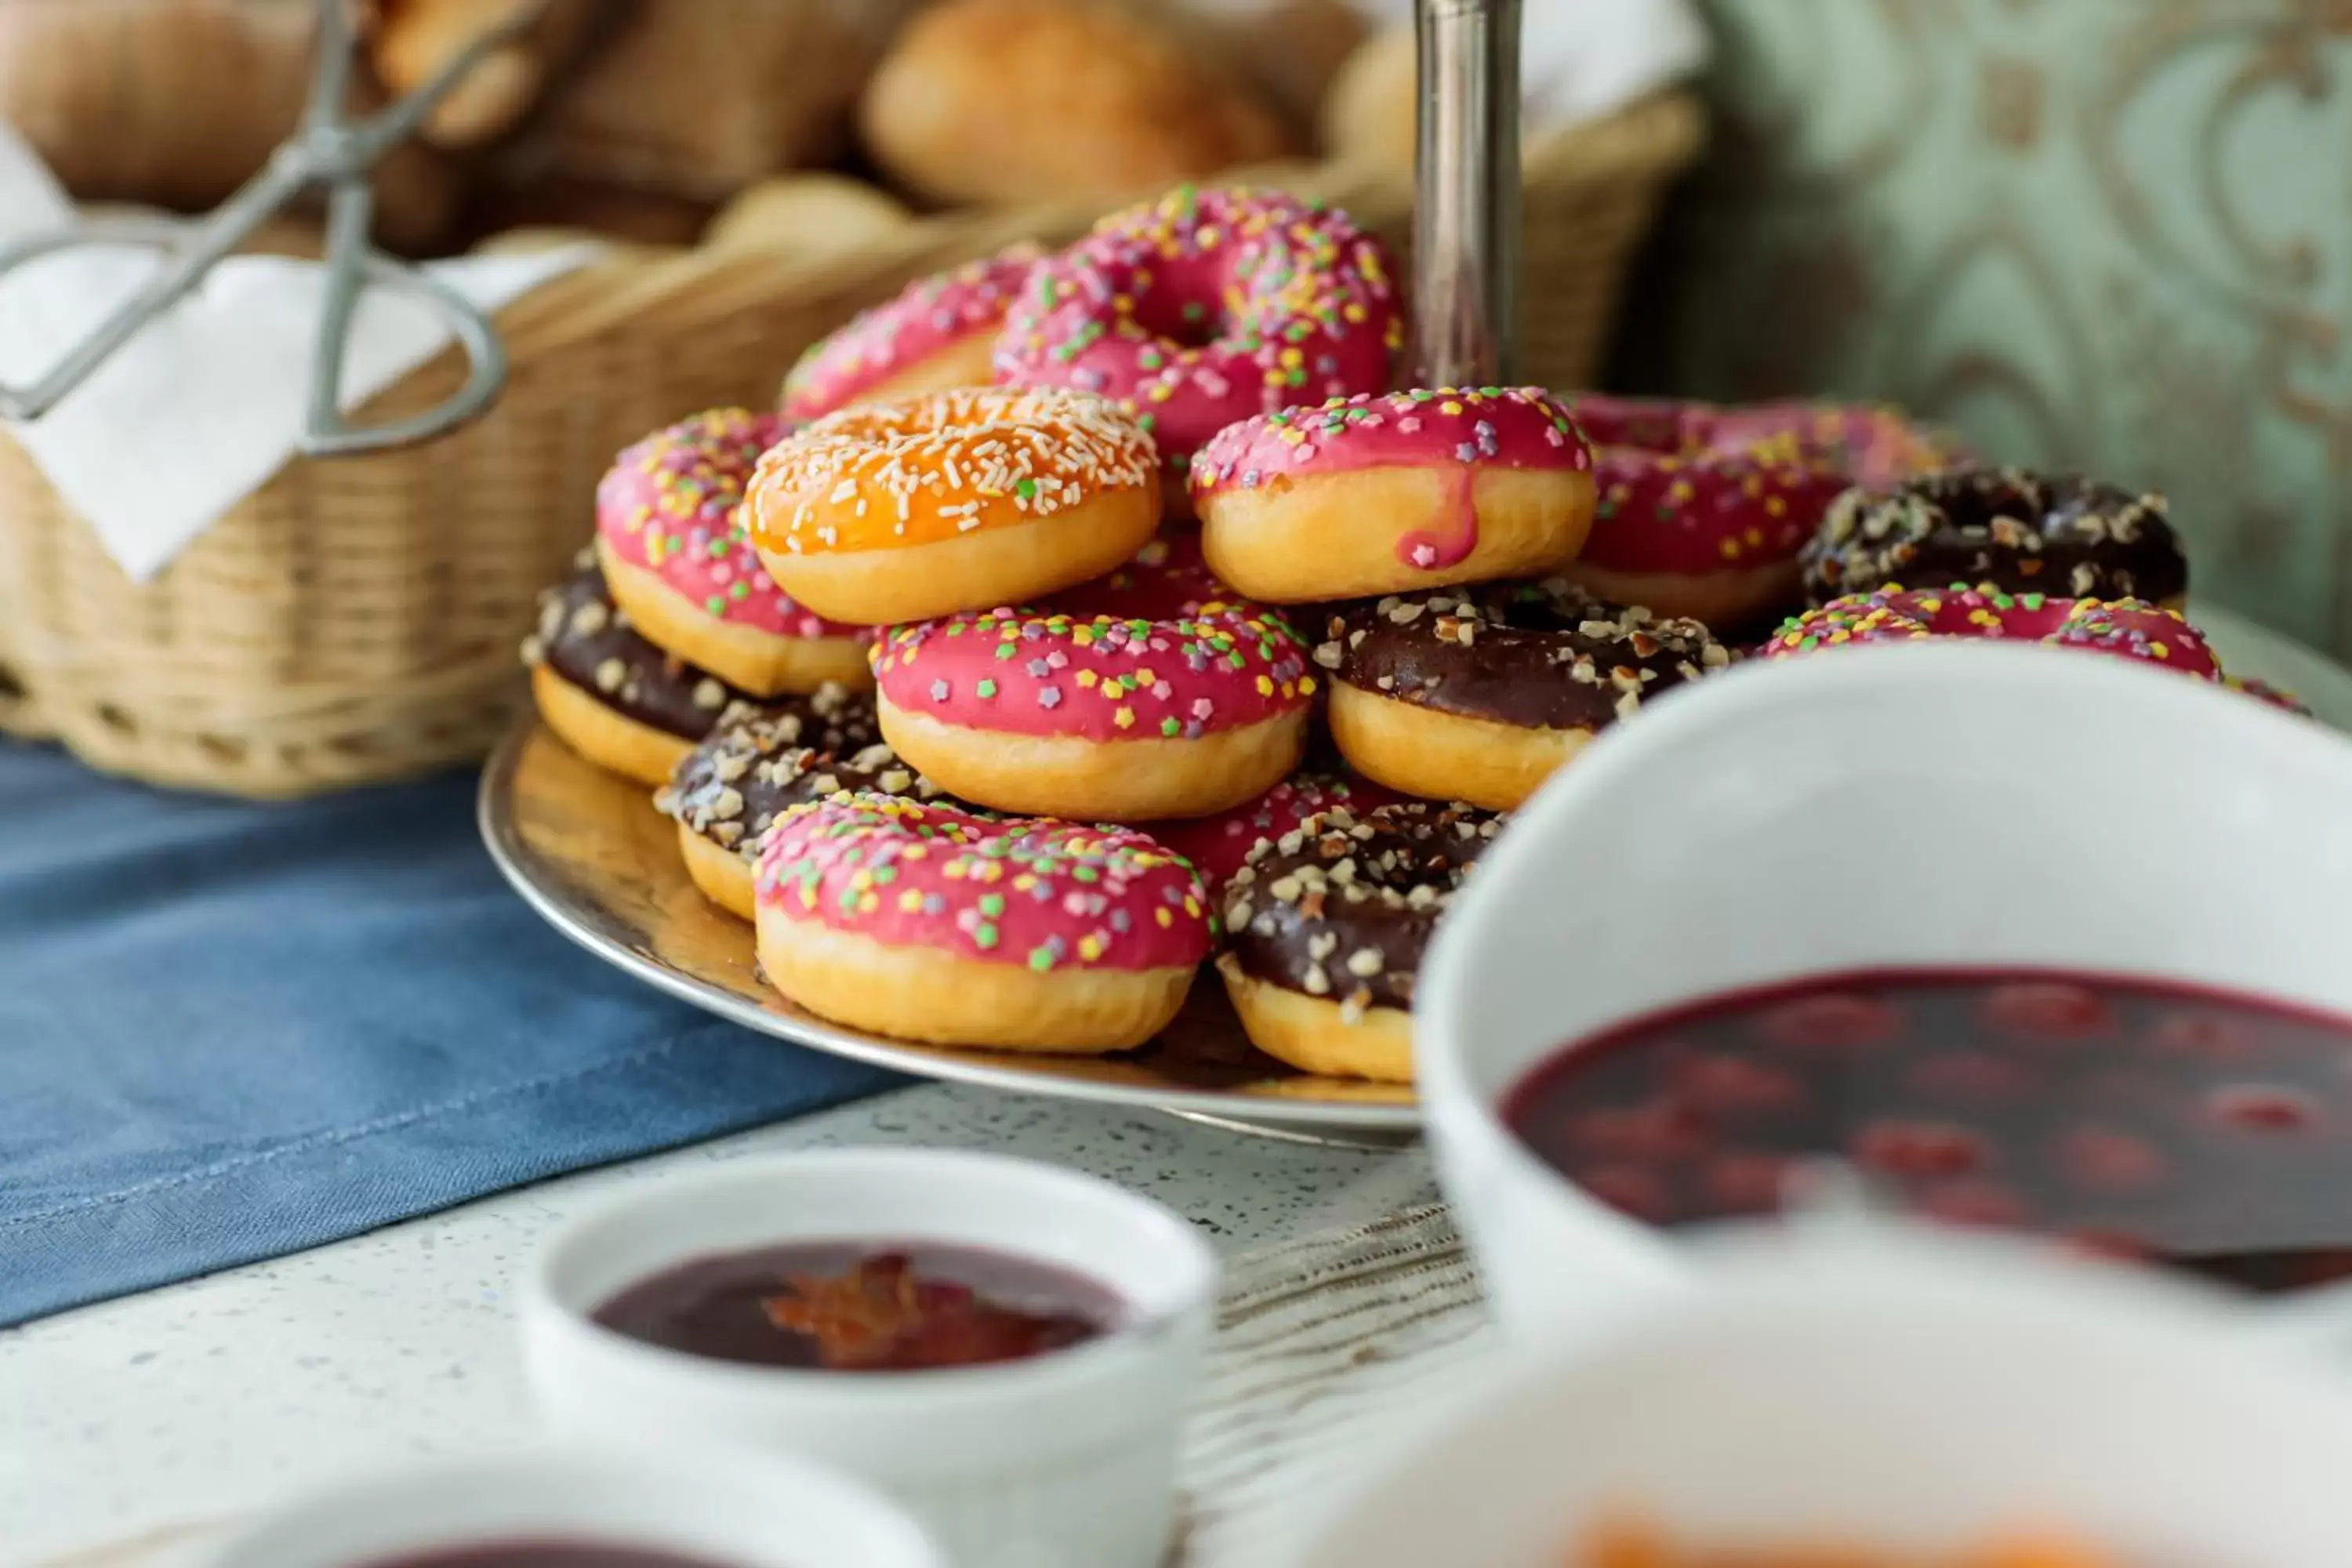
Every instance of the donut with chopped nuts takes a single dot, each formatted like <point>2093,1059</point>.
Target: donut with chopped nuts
<point>2126,628</point>
<point>2000,528</point>
<point>1098,718</point>
<point>926,506</point>
<point>1219,846</point>
<point>1326,926</point>
<point>612,696</point>
<point>938,334</point>
<point>1480,694</point>
<point>730,788</point>
<point>933,922</point>
<point>1381,495</point>
<point>677,562</point>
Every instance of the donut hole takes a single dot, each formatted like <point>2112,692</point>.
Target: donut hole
<point>1177,322</point>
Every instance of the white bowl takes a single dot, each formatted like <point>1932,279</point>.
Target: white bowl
<point>1929,805</point>
<point>1065,1461</point>
<point>735,1510</point>
<point>1899,1394</point>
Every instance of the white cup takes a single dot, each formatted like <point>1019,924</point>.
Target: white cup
<point>1065,1461</point>
<point>1889,1391</point>
<point>730,1510</point>
<point>1920,805</point>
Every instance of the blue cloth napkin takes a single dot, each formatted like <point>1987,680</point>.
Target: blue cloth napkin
<point>230,1031</point>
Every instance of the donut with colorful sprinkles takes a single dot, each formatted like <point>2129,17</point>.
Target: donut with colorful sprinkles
<point>2000,529</point>
<point>1219,846</point>
<point>1207,306</point>
<point>1381,495</point>
<point>729,791</point>
<point>1327,925</point>
<point>939,334</point>
<point>2123,628</point>
<point>901,512</point>
<point>1099,718</point>
<point>930,923</point>
<point>1481,694</point>
<point>678,564</point>
<point>1703,510</point>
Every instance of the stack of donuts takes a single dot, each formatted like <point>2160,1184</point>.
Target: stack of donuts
<point>1085,618</point>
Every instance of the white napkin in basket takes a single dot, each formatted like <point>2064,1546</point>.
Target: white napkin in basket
<point>201,409</point>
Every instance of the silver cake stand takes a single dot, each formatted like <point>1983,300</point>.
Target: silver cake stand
<point>588,852</point>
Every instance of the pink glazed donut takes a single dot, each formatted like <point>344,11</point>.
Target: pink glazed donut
<point>2123,628</point>
<point>1207,306</point>
<point>936,336</point>
<point>1385,494</point>
<point>1098,719</point>
<point>1168,579</point>
<point>680,566</point>
<point>933,924</point>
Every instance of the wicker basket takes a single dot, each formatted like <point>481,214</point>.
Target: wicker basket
<point>356,620</point>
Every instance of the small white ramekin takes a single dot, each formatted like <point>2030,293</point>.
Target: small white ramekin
<point>1067,1460</point>
<point>737,1509</point>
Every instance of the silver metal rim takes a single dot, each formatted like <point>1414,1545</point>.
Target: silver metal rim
<point>1301,1121</point>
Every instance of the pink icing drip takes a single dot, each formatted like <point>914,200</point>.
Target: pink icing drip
<point>668,504</point>
<point>1520,427</point>
<point>1295,303</point>
<point>1045,895</point>
<point>1459,504</point>
<point>1219,846</point>
<point>929,315</point>
<point>1032,673</point>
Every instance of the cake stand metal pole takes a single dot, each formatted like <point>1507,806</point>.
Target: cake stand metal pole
<point>1467,217</point>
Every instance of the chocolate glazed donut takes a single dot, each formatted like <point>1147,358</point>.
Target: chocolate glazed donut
<point>614,698</point>
<point>1325,927</point>
<point>1479,694</point>
<point>2000,530</point>
<point>729,790</point>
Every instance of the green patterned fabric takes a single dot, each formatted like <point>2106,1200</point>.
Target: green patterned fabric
<point>2113,235</point>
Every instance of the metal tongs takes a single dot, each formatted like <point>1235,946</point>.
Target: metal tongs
<point>329,149</point>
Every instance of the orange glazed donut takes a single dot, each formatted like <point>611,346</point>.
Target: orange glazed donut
<point>906,511</point>
<point>677,562</point>
<point>934,924</point>
<point>1382,495</point>
<point>1099,719</point>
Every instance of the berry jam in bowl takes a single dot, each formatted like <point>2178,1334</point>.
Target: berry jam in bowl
<point>1004,1347</point>
<point>588,1508</point>
<point>2018,939</point>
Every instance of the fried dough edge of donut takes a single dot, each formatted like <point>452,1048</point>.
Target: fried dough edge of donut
<point>1302,538</point>
<point>762,664</point>
<point>613,741</point>
<point>723,875</point>
<point>937,997</point>
<point>1145,779</point>
<point>1313,1034</point>
<point>1011,564</point>
<point>1441,756</point>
